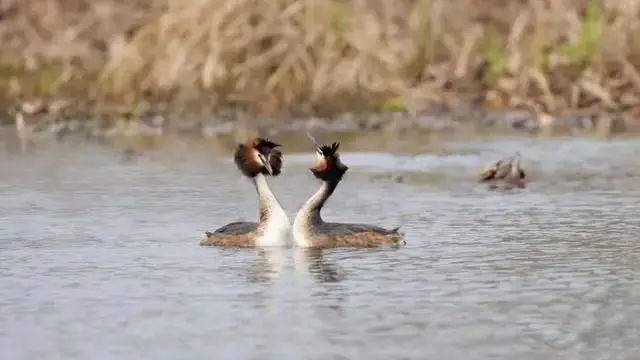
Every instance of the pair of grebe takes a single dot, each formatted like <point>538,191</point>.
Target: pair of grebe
<point>259,159</point>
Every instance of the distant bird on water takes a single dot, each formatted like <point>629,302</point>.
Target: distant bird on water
<point>504,174</point>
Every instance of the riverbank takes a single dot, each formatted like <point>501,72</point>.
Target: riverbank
<point>40,122</point>
<point>294,59</point>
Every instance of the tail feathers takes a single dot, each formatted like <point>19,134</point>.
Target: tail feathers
<point>398,236</point>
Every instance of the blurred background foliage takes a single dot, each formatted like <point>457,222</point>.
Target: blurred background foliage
<point>323,56</point>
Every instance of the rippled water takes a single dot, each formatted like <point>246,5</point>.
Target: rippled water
<point>99,258</point>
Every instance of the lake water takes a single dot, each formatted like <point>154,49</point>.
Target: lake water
<point>99,257</point>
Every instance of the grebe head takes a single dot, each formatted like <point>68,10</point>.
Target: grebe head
<point>328,166</point>
<point>258,156</point>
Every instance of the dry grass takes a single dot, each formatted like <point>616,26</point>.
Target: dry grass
<point>333,55</point>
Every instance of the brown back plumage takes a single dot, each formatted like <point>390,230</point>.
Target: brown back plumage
<point>250,155</point>
<point>328,167</point>
<point>234,240</point>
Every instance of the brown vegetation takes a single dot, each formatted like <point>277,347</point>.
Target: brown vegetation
<point>323,56</point>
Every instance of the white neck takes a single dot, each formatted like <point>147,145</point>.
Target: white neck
<point>275,224</point>
<point>309,214</point>
<point>265,194</point>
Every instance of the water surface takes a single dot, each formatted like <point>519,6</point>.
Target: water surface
<point>99,257</point>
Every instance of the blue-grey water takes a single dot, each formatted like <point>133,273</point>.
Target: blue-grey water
<point>99,257</point>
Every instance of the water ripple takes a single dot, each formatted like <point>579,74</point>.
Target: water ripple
<point>99,259</point>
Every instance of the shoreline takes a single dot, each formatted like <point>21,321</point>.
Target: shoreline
<point>432,66</point>
<point>56,120</point>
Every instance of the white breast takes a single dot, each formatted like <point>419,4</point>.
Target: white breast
<point>277,231</point>
<point>301,232</point>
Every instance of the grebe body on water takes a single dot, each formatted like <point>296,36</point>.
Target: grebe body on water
<point>310,230</point>
<point>256,159</point>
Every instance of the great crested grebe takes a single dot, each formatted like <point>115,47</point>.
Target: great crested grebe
<point>505,174</point>
<point>309,230</point>
<point>256,159</point>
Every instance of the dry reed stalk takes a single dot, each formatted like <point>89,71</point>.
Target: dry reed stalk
<point>331,55</point>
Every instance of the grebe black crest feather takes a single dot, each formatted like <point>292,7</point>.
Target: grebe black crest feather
<point>258,156</point>
<point>329,150</point>
<point>275,160</point>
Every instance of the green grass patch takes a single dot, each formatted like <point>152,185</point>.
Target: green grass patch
<point>496,58</point>
<point>391,105</point>
<point>582,51</point>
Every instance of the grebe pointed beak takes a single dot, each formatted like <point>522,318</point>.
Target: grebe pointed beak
<point>315,143</point>
<point>266,164</point>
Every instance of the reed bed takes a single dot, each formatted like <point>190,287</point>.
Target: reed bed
<point>327,56</point>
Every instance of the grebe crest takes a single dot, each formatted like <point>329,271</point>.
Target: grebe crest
<point>328,166</point>
<point>256,159</point>
<point>310,230</point>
